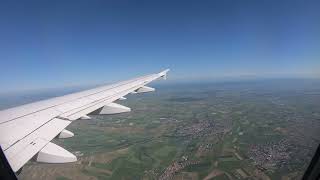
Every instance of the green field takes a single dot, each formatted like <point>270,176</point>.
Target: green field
<point>217,129</point>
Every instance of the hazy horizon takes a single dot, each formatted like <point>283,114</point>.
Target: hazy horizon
<point>169,81</point>
<point>10,99</point>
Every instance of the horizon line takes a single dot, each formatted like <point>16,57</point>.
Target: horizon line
<point>169,81</point>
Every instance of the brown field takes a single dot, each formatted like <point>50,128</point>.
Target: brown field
<point>70,170</point>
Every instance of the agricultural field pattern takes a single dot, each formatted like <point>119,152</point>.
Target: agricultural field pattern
<point>266,129</point>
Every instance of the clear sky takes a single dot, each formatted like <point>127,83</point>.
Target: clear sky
<point>73,42</point>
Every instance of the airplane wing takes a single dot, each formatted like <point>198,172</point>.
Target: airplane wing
<point>26,131</point>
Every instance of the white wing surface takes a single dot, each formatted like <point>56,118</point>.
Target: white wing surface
<point>26,131</point>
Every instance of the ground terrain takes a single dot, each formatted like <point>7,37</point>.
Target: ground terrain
<point>235,130</point>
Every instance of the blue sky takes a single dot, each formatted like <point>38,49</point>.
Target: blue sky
<point>64,43</point>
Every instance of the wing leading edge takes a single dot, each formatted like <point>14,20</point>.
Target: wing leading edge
<point>27,130</point>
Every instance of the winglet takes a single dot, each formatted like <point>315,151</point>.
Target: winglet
<point>163,74</point>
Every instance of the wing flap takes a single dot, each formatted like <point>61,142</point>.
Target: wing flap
<point>22,151</point>
<point>13,131</point>
<point>26,153</point>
